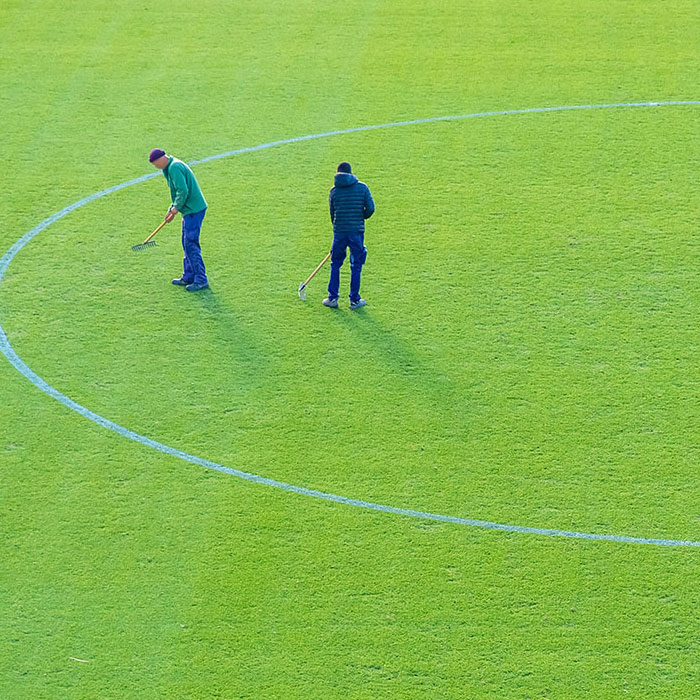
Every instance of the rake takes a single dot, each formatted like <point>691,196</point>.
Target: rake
<point>148,242</point>
<point>302,286</point>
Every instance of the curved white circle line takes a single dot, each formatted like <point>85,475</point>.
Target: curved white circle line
<point>14,359</point>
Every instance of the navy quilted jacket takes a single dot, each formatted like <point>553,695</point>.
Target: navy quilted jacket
<point>350,204</point>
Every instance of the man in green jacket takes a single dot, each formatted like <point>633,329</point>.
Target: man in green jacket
<point>187,199</point>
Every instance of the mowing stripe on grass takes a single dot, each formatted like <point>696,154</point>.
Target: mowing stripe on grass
<point>35,379</point>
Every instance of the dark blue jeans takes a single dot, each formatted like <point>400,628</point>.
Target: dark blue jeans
<point>341,242</point>
<point>193,265</point>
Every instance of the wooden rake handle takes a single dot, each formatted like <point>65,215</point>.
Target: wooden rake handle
<point>156,231</point>
<point>313,274</point>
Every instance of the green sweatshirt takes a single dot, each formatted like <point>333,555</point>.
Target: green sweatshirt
<point>184,189</point>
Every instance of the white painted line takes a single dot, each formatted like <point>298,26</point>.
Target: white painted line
<point>7,349</point>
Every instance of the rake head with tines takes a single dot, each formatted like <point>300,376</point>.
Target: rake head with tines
<point>141,246</point>
<point>148,243</point>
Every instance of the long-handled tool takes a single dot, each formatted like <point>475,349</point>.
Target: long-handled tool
<point>148,242</point>
<point>302,286</point>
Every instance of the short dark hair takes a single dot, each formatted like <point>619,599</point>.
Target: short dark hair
<point>344,167</point>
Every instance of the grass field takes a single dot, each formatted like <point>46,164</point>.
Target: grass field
<point>528,354</point>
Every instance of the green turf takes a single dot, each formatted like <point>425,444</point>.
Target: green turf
<point>528,354</point>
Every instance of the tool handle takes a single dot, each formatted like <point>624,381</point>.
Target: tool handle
<point>156,231</point>
<point>322,263</point>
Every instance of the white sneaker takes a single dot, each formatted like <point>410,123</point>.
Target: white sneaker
<point>357,304</point>
<point>330,303</point>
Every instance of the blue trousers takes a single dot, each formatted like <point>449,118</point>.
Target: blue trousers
<point>341,242</point>
<point>193,265</point>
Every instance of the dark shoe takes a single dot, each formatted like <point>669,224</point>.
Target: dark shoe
<point>195,286</point>
<point>357,304</point>
<point>180,282</point>
<point>330,303</point>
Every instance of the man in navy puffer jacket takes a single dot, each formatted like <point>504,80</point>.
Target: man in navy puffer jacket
<point>350,203</point>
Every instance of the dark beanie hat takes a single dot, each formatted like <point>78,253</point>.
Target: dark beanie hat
<point>155,154</point>
<point>344,167</point>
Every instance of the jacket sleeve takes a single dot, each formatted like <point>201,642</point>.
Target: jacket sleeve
<point>369,203</point>
<point>331,206</point>
<point>177,177</point>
